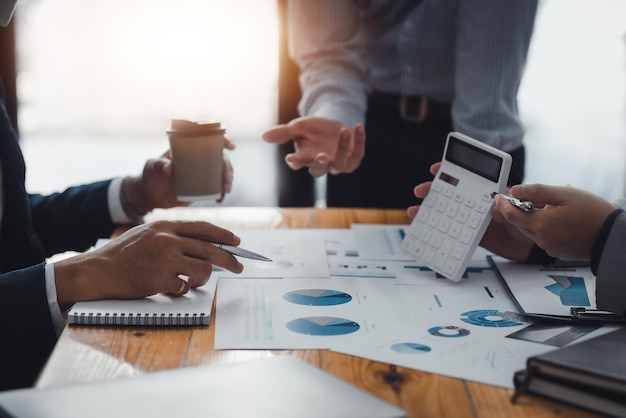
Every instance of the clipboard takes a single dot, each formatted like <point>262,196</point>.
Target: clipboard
<point>556,293</point>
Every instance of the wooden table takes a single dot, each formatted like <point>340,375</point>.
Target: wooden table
<point>85,354</point>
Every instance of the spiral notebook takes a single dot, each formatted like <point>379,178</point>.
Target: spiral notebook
<point>193,308</point>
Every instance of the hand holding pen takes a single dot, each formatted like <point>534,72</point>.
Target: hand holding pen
<point>565,221</point>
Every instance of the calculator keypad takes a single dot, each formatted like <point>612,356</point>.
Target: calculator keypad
<point>444,234</point>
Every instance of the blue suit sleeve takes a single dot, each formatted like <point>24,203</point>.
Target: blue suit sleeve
<point>610,284</point>
<point>74,219</point>
<point>28,335</point>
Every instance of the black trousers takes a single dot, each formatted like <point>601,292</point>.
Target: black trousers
<point>398,155</point>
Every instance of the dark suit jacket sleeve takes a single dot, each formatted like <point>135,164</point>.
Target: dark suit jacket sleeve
<point>28,334</point>
<point>74,219</point>
<point>611,274</point>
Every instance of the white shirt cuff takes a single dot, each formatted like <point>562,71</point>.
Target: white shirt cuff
<point>115,203</point>
<point>118,214</point>
<point>58,319</point>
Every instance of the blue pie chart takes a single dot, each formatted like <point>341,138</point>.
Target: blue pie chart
<point>317,297</point>
<point>322,326</point>
<point>411,348</point>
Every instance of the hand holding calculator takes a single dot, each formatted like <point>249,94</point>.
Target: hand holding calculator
<point>455,213</point>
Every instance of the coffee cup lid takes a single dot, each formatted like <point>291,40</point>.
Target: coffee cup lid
<point>185,127</point>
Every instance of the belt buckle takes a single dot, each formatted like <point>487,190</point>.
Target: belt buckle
<point>408,113</point>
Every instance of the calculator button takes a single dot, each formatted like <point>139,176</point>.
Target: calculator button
<point>442,254</point>
<point>459,198</point>
<point>463,215</point>
<point>441,204</point>
<point>436,240</point>
<point>447,246</point>
<point>408,245</point>
<point>418,250</point>
<point>436,187</point>
<point>430,200</point>
<point>429,255</point>
<point>482,207</point>
<point>466,236</point>
<point>450,267</point>
<point>474,220</point>
<point>447,192</point>
<point>439,260</point>
<point>444,225</point>
<point>426,234</point>
<point>455,229</point>
<point>470,203</point>
<point>452,210</point>
<point>423,213</point>
<point>413,233</point>
<point>458,251</point>
<point>433,220</point>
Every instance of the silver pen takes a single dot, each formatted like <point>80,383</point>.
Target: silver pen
<point>241,252</point>
<point>524,205</point>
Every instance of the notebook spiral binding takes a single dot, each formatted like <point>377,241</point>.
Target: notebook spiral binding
<point>139,319</point>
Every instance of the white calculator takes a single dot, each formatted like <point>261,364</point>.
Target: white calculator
<point>454,215</point>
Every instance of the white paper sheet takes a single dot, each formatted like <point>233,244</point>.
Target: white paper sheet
<point>380,242</point>
<point>549,291</point>
<point>344,258</point>
<point>294,253</point>
<point>383,308</point>
<point>302,313</point>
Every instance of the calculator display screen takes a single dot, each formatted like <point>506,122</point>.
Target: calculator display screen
<point>474,159</point>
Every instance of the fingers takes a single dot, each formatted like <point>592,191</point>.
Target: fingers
<point>228,176</point>
<point>339,165</point>
<point>541,193</point>
<point>421,190</point>
<point>511,214</point>
<point>182,289</point>
<point>320,165</point>
<point>358,148</point>
<point>434,169</point>
<point>281,134</point>
<point>296,162</point>
<point>228,144</point>
<point>146,260</point>
<point>205,231</point>
<point>159,165</point>
<point>350,153</point>
<point>350,150</point>
<point>190,249</point>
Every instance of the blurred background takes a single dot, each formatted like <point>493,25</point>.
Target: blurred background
<point>99,81</point>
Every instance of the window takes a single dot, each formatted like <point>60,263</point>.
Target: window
<point>111,74</point>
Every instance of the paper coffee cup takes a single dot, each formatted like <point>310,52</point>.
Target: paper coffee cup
<point>197,154</point>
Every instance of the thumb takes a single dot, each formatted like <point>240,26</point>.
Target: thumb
<point>280,134</point>
<point>539,193</point>
<point>160,165</point>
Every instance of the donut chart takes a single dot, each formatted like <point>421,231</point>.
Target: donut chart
<point>489,318</point>
<point>449,331</point>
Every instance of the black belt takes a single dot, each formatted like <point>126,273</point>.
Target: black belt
<point>416,109</point>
